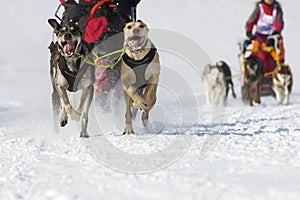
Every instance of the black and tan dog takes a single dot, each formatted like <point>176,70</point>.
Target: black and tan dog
<point>282,83</point>
<point>253,75</point>
<point>70,73</point>
<point>140,69</point>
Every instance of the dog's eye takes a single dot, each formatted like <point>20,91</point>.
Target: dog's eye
<point>129,27</point>
<point>142,26</point>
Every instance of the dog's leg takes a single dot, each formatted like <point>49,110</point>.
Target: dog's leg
<point>55,109</point>
<point>277,91</point>
<point>85,100</point>
<point>138,101</point>
<point>249,96</point>
<point>65,103</point>
<point>232,89</point>
<point>286,96</point>
<point>149,99</point>
<point>227,89</point>
<point>258,91</point>
<point>128,115</point>
<point>64,117</point>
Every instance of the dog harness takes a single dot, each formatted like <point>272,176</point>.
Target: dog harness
<point>73,78</point>
<point>139,67</point>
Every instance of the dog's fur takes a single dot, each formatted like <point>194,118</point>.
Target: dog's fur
<point>253,74</point>
<point>139,80</point>
<point>228,77</point>
<point>282,83</point>
<point>67,58</point>
<point>213,80</point>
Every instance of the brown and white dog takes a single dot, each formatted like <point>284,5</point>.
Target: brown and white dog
<point>282,83</point>
<point>70,73</point>
<point>140,70</point>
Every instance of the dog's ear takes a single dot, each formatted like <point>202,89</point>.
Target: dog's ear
<point>284,65</point>
<point>55,25</point>
<point>219,64</point>
<point>140,21</point>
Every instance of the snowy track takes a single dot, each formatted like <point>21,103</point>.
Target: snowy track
<point>255,155</point>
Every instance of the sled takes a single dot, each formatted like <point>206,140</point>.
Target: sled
<point>263,52</point>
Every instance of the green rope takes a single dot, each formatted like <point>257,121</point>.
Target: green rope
<point>94,62</point>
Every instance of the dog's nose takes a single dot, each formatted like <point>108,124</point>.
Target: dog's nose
<point>136,31</point>
<point>68,36</point>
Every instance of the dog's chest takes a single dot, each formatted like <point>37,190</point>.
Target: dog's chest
<point>282,79</point>
<point>140,68</point>
<point>70,75</point>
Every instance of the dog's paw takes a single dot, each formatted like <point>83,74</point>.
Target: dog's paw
<point>139,104</point>
<point>128,129</point>
<point>84,135</point>
<point>63,122</point>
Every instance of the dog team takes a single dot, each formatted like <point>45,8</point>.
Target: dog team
<point>139,75</point>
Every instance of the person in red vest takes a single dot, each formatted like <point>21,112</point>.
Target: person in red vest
<point>266,20</point>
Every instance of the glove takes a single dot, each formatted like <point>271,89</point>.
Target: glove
<point>250,35</point>
<point>246,43</point>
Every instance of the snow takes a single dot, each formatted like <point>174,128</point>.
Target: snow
<point>238,152</point>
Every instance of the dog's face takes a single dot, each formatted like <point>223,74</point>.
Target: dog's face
<point>68,37</point>
<point>284,74</point>
<point>136,35</point>
<point>213,75</point>
<point>252,70</point>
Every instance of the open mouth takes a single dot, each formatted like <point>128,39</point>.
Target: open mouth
<point>69,47</point>
<point>136,42</point>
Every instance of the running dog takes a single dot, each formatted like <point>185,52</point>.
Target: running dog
<point>228,77</point>
<point>69,73</point>
<point>213,80</point>
<point>282,83</point>
<point>140,70</point>
<point>253,75</point>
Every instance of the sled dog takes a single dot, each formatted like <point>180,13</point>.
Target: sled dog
<point>228,77</point>
<point>253,75</point>
<point>69,73</point>
<point>213,80</point>
<point>140,69</point>
<point>282,83</point>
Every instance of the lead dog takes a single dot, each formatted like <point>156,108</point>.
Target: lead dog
<point>282,83</point>
<point>214,83</point>
<point>69,73</point>
<point>140,69</point>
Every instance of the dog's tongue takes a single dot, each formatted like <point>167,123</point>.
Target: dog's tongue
<point>69,47</point>
<point>135,43</point>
